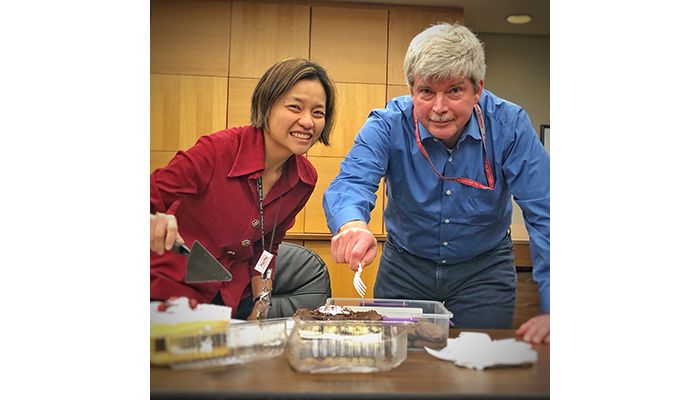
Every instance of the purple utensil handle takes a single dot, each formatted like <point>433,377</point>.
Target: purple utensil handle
<point>382,304</point>
<point>399,319</point>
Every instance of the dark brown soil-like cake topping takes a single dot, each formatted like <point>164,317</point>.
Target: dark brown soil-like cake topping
<point>341,314</point>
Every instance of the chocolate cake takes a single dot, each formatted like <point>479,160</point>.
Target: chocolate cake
<point>336,313</point>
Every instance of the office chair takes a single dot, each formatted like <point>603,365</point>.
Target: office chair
<point>301,281</point>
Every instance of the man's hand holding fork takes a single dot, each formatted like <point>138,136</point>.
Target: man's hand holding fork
<point>355,245</point>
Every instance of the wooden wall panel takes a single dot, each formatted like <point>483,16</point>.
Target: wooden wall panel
<point>522,255</point>
<point>521,245</point>
<point>299,224</point>
<point>315,219</point>
<point>161,158</point>
<point>341,275</point>
<point>190,37</point>
<point>350,43</point>
<point>527,299</point>
<point>263,34</point>
<point>404,24</point>
<point>396,90</point>
<point>239,99</point>
<point>355,101</point>
<point>184,108</point>
<point>328,168</point>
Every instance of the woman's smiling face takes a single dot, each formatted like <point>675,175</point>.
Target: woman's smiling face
<point>298,118</point>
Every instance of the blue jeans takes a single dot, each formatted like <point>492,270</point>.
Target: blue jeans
<point>479,292</point>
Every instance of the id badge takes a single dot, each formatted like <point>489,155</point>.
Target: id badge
<point>264,261</point>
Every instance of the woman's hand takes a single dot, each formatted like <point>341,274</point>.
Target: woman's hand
<point>163,232</point>
<point>259,311</point>
<point>261,290</point>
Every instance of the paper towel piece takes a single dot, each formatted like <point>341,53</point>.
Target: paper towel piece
<point>477,350</point>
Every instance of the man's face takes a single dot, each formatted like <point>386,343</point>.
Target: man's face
<point>444,106</point>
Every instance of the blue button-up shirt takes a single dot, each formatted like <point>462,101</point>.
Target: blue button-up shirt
<point>448,222</point>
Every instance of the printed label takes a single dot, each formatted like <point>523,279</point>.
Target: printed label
<point>264,261</point>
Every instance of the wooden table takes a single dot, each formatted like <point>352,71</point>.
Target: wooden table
<point>420,376</point>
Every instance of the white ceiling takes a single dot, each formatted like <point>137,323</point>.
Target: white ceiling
<point>488,16</point>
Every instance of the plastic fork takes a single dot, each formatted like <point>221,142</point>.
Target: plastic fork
<point>360,286</point>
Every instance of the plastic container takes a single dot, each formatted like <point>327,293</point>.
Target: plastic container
<point>346,346</point>
<point>219,344</point>
<point>430,320</point>
<point>258,340</point>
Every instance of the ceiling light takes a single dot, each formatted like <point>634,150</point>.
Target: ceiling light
<point>519,19</point>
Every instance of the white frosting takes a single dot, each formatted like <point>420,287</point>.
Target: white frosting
<point>179,311</point>
<point>333,310</point>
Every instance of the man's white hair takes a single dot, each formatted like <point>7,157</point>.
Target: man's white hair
<point>445,51</point>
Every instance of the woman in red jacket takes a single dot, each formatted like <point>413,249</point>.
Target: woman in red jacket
<point>210,192</point>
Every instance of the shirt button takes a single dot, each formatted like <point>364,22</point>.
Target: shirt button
<point>448,192</point>
<point>449,159</point>
<point>245,243</point>
<point>445,244</point>
<point>255,223</point>
<point>443,261</point>
<point>231,253</point>
<point>447,220</point>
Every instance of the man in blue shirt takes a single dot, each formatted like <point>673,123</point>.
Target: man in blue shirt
<point>452,154</point>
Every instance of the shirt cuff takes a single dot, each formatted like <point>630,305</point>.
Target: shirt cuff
<point>343,217</point>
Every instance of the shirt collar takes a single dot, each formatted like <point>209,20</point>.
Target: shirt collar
<point>303,173</point>
<point>250,154</point>
<point>250,159</point>
<point>471,129</point>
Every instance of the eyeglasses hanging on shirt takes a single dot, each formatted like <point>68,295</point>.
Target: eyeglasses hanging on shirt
<point>464,181</point>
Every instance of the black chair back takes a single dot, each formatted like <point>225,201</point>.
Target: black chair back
<point>301,281</point>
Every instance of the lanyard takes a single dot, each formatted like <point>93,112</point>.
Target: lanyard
<point>262,218</point>
<point>464,181</point>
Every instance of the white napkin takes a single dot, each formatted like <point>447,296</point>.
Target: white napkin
<point>477,351</point>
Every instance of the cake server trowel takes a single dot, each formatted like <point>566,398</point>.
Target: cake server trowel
<point>201,265</point>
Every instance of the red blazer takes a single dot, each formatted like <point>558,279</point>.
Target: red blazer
<point>211,189</point>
